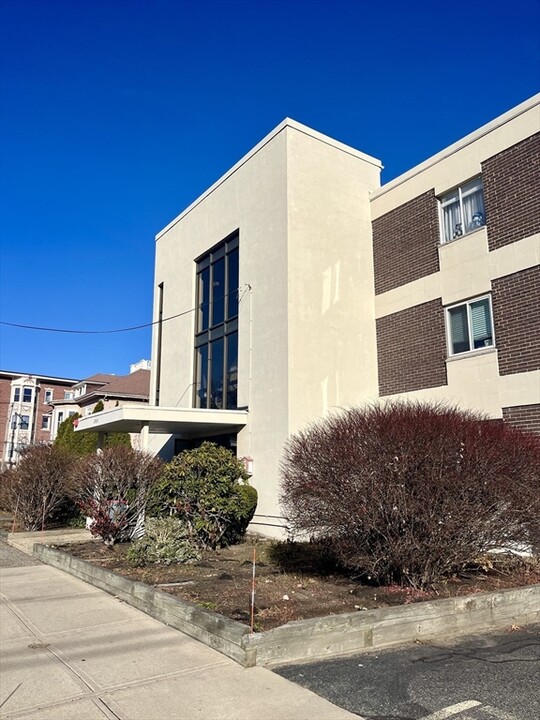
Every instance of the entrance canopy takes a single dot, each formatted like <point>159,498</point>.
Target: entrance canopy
<point>165,420</point>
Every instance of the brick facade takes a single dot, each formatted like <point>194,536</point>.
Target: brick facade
<point>43,408</point>
<point>524,417</point>
<point>512,193</point>
<point>36,409</point>
<point>5,401</point>
<point>405,243</point>
<point>411,349</point>
<point>516,314</point>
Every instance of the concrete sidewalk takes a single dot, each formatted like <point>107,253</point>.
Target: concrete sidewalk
<point>24,541</point>
<point>69,650</point>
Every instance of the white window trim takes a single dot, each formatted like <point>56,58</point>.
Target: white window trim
<point>458,189</point>
<point>473,350</point>
<point>48,425</point>
<point>48,396</point>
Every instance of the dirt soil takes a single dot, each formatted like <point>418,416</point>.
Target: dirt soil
<point>289,585</point>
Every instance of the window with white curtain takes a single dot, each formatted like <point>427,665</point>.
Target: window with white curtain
<point>470,326</point>
<point>462,210</point>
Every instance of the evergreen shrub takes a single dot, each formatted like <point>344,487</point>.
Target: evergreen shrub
<point>166,540</point>
<point>207,489</point>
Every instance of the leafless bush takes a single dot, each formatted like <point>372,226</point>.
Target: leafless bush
<point>38,487</point>
<point>112,488</point>
<point>407,492</point>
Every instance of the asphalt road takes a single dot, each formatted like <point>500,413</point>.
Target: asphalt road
<point>485,677</point>
<point>11,557</point>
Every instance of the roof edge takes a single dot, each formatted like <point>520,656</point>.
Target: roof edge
<point>283,125</point>
<point>492,125</point>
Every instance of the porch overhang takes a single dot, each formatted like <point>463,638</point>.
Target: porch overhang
<point>184,422</point>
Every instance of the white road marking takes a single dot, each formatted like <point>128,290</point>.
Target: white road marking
<point>452,710</point>
<point>499,714</point>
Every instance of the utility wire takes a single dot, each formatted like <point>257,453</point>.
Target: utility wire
<point>120,330</point>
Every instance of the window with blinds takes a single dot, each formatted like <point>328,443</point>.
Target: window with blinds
<point>470,326</point>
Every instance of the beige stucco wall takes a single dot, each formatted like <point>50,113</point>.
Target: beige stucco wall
<point>306,317</point>
<point>332,344</point>
<point>252,199</point>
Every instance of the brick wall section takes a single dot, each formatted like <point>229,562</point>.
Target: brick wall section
<point>411,349</point>
<point>405,243</point>
<point>5,400</point>
<point>524,417</point>
<point>516,315</point>
<point>512,193</point>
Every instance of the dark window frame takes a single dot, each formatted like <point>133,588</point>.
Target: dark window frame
<point>216,327</point>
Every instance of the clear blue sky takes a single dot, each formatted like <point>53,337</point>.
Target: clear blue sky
<point>116,115</point>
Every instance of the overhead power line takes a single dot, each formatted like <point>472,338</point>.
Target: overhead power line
<point>116,330</point>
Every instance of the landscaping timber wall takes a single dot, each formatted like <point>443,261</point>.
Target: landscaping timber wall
<point>315,638</point>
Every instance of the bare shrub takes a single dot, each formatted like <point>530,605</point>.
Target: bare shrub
<point>112,488</point>
<point>37,489</point>
<point>407,492</point>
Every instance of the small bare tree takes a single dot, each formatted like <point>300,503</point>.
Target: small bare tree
<point>37,488</point>
<point>112,488</point>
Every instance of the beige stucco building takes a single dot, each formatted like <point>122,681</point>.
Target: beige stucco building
<point>297,285</point>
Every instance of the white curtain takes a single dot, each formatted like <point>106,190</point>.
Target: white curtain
<point>472,198</point>
<point>452,217</point>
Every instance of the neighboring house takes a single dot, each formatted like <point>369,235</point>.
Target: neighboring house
<point>26,412</point>
<point>313,288</point>
<point>112,390</point>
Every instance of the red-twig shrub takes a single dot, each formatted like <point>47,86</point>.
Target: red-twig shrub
<point>36,490</point>
<point>407,492</point>
<point>112,488</point>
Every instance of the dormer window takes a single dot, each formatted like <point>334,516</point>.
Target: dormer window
<point>462,210</point>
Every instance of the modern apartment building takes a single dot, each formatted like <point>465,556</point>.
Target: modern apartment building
<point>297,285</point>
<point>26,410</point>
<point>456,248</point>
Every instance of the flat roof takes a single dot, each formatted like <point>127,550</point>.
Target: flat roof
<point>48,378</point>
<point>164,420</point>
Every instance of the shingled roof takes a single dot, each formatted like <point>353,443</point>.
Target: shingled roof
<point>98,379</point>
<point>136,384</point>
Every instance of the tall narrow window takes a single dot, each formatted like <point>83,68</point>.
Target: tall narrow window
<point>216,334</point>
<point>159,341</point>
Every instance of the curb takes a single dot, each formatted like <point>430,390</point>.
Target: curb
<point>317,638</point>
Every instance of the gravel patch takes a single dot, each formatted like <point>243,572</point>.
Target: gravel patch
<point>11,557</point>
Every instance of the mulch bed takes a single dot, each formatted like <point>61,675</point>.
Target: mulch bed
<point>290,585</point>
